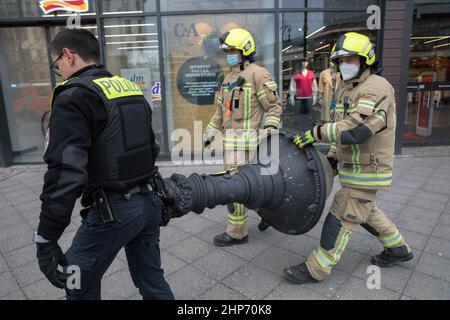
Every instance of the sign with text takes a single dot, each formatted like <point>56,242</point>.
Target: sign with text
<point>197,80</point>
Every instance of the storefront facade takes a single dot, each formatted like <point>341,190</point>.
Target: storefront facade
<point>170,48</point>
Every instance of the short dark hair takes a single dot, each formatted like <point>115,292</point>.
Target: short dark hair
<point>81,41</point>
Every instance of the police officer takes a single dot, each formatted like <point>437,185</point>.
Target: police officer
<point>363,133</point>
<point>101,145</point>
<point>247,101</point>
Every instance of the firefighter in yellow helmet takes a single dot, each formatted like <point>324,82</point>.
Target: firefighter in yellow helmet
<point>247,101</point>
<point>362,134</point>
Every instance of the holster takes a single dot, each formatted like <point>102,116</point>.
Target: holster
<point>157,184</point>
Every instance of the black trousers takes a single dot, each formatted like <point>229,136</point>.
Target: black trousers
<point>96,244</point>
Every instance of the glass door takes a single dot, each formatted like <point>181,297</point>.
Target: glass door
<point>26,89</point>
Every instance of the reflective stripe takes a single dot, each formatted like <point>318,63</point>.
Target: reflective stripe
<point>323,259</point>
<point>243,41</point>
<point>261,94</point>
<point>366,104</point>
<point>247,105</point>
<point>248,143</point>
<point>380,116</point>
<point>240,215</point>
<point>272,120</point>
<point>331,131</point>
<point>219,100</point>
<point>344,241</point>
<point>212,126</point>
<point>272,85</point>
<point>369,179</point>
<point>356,158</point>
<point>237,222</point>
<point>391,240</point>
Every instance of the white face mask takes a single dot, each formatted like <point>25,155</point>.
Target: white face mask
<point>348,70</point>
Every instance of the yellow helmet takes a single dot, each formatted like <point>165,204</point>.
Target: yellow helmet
<point>351,44</point>
<point>239,39</point>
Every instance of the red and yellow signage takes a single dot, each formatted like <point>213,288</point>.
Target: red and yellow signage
<point>48,6</point>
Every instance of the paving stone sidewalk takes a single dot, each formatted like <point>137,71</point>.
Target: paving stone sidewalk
<point>418,203</point>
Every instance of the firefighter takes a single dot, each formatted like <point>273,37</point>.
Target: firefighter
<point>363,133</point>
<point>101,146</point>
<point>247,101</point>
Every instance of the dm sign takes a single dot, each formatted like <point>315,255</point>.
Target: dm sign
<point>48,6</point>
<point>197,80</point>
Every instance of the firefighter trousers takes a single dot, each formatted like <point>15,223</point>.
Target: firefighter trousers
<point>350,208</point>
<point>237,213</point>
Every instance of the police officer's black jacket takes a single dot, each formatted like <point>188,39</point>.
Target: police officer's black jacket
<point>78,152</point>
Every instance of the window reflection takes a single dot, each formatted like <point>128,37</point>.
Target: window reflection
<point>132,52</point>
<point>26,89</point>
<point>125,6</point>
<point>193,41</point>
<point>427,114</point>
<point>309,37</point>
<point>178,5</point>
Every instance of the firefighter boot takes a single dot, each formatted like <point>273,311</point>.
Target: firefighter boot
<point>224,240</point>
<point>390,256</point>
<point>263,225</point>
<point>298,274</point>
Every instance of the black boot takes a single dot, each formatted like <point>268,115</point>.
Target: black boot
<point>263,225</point>
<point>390,256</point>
<point>298,274</point>
<point>224,240</point>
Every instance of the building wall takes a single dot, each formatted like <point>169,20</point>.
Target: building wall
<point>396,37</point>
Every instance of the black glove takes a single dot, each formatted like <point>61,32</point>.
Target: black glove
<point>50,256</point>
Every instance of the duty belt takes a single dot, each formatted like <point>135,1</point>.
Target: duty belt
<point>127,196</point>
<point>102,201</point>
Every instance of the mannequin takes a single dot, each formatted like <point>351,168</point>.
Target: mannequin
<point>329,81</point>
<point>303,93</point>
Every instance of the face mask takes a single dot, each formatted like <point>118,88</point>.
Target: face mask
<point>348,70</point>
<point>233,59</point>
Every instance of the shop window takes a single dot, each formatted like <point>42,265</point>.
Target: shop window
<point>191,43</point>
<point>427,116</point>
<point>356,4</point>
<point>132,52</point>
<point>9,9</point>
<point>26,89</point>
<point>196,5</point>
<point>310,36</point>
<point>111,7</point>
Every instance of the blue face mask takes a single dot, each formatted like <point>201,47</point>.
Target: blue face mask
<point>233,59</point>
